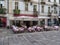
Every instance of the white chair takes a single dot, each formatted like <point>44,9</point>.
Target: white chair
<point>29,29</point>
<point>41,28</point>
<point>34,27</point>
<point>46,28</point>
<point>38,28</point>
<point>56,27</point>
<point>15,28</point>
<point>21,29</point>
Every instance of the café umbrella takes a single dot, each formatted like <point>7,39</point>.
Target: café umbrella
<point>23,18</point>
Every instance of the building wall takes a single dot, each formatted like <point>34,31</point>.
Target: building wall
<point>21,6</point>
<point>30,7</point>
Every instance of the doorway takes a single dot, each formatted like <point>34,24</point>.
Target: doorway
<point>27,23</point>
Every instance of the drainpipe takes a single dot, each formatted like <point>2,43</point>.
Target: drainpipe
<point>8,13</point>
<point>38,11</point>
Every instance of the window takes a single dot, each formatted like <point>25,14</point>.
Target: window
<point>0,5</point>
<point>49,22</point>
<point>55,10</point>
<point>42,0</point>
<point>42,10</point>
<point>26,6</point>
<point>30,3</point>
<point>48,9</point>
<point>35,8</point>
<point>48,0</point>
<point>54,1</point>
<point>55,21</point>
<point>59,1</point>
<point>42,22</point>
<point>16,5</point>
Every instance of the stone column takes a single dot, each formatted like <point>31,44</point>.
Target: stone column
<point>11,22</point>
<point>8,22</point>
<point>46,22</point>
<point>52,21</point>
<point>21,22</point>
<point>39,22</point>
<point>10,7</point>
<point>31,23</point>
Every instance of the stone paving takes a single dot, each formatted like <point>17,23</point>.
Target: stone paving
<point>36,38</point>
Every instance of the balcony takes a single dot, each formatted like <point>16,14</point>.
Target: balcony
<point>27,0</point>
<point>2,11</point>
<point>35,13</point>
<point>49,14</point>
<point>26,13</point>
<point>55,4</point>
<point>16,11</point>
<point>43,2</point>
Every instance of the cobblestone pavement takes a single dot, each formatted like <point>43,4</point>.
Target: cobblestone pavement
<point>36,38</point>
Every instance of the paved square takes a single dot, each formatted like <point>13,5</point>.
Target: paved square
<point>36,38</point>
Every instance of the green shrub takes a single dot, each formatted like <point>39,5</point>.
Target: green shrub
<point>16,11</point>
<point>2,11</point>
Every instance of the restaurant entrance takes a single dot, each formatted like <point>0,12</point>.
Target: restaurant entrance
<point>27,23</point>
<point>30,23</point>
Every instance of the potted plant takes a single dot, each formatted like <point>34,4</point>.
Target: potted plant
<point>16,11</point>
<point>2,10</point>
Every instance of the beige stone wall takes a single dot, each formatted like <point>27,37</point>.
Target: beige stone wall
<point>5,2</point>
<point>10,6</point>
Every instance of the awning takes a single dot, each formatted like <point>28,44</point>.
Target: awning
<point>23,18</point>
<point>26,18</point>
<point>43,17</point>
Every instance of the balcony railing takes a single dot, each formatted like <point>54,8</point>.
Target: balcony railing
<point>16,11</point>
<point>26,13</point>
<point>27,0</point>
<point>43,2</point>
<point>55,12</point>
<point>55,4</point>
<point>35,13</point>
<point>2,10</point>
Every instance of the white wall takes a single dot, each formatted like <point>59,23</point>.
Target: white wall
<point>30,7</point>
<point>53,1</point>
<point>21,6</point>
<point>13,5</point>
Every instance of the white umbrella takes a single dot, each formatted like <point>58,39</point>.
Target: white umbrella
<point>23,17</point>
<point>43,17</point>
